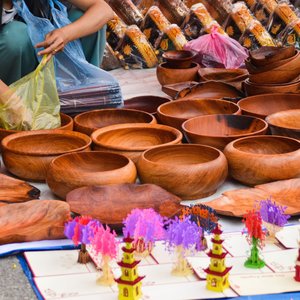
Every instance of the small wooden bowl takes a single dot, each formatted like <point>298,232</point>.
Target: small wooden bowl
<point>66,124</point>
<point>263,105</point>
<point>285,123</point>
<point>219,130</point>
<point>145,103</point>
<point>133,139</point>
<point>252,89</point>
<point>179,59</point>
<point>73,170</point>
<point>261,159</point>
<point>176,112</point>
<point>188,171</point>
<point>27,154</point>
<point>90,121</point>
<point>166,75</point>
<point>267,55</point>
<point>224,75</point>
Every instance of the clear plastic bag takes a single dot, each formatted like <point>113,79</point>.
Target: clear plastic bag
<point>32,102</point>
<point>216,50</point>
<point>72,70</point>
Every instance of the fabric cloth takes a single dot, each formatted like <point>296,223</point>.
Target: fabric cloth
<point>17,54</point>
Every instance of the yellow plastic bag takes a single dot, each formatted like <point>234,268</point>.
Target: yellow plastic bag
<point>32,102</point>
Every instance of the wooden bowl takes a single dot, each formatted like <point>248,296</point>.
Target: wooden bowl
<point>188,171</point>
<point>256,89</point>
<point>166,75</point>
<point>176,112</point>
<point>286,72</point>
<point>132,139</point>
<point>179,59</point>
<point>90,121</point>
<point>285,123</point>
<point>73,170</point>
<point>219,130</point>
<point>224,75</point>
<point>267,54</point>
<point>66,124</point>
<point>261,159</point>
<point>145,103</point>
<point>27,154</point>
<point>263,105</point>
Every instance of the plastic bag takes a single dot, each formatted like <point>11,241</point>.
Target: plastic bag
<point>218,51</point>
<point>71,68</point>
<point>32,102</point>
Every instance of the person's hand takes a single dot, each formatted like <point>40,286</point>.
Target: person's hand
<point>54,42</point>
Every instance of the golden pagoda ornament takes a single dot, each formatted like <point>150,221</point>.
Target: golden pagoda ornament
<point>130,282</point>
<point>217,272</point>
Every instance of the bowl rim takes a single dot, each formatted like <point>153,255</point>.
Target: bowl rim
<point>125,126</point>
<point>193,100</point>
<point>274,115</point>
<point>47,132</point>
<point>98,153</point>
<point>264,136</point>
<point>274,85</point>
<point>228,136</point>
<point>194,66</point>
<point>192,55</point>
<point>200,146</point>
<point>99,111</point>
<point>263,96</point>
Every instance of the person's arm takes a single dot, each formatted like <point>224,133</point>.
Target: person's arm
<point>96,14</point>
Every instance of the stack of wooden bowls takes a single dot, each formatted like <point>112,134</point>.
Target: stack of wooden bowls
<point>178,67</point>
<point>273,70</point>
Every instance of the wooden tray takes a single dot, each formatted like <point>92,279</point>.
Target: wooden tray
<point>236,203</point>
<point>111,204</point>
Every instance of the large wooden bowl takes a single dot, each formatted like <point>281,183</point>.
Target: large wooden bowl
<point>166,75</point>
<point>251,88</point>
<point>263,105</point>
<point>285,123</point>
<point>132,139</point>
<point>66,124</point>
<point>179,59</point>
<point>188,171</point>
<point>147,103</point>
<point>90,121</point>
<point>261,159</point>
<point>27,154</point>
<point>219,130</point>
<point>176,112</point>
<point>73,170</point>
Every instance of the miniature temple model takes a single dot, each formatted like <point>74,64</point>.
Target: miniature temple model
<point>217,272</point>
<point>130,282</point>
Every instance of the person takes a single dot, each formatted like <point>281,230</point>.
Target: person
<point>18,55</point>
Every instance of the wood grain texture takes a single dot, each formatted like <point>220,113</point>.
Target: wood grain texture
<point>33,221</point>
<point>261,159</point>
<point>219,130</point>
<point>188,171</point>
<point>90,121</point>
<point>252,89</point>
<point>285,123</point>
<point>263,105</point>
<point>237,202</point>
<point>112,203</point>
<point>70,171</point>
<point>176,112</point>
<point>66,124</point>
<point>147,103</point>
<point>132,139</point>
<point>166,75</point>
<point>27,154</point>
<point>14,190</point>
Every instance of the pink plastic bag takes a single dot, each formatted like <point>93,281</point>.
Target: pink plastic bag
<point>216,50</point>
